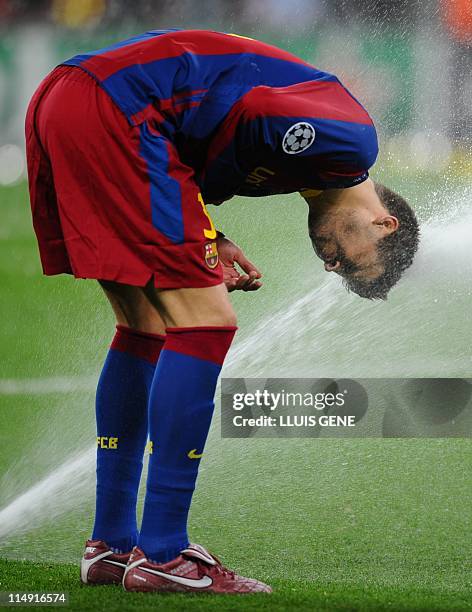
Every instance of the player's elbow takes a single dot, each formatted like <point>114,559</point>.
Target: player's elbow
<point>367,147</point>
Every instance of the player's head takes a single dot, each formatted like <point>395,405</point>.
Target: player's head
<point>367,234</point>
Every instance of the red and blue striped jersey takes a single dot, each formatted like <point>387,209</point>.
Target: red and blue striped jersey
<point>249,118</point>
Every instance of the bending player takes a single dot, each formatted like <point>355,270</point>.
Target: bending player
<point>125,145</point>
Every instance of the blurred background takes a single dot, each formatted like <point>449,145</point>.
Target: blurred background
<point>408,61</point>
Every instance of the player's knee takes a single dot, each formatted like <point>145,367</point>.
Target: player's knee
<point>227,316</point>
<point>149,325</point>
<point>220,311</point>
<point>218,314</point>
<point>207,306</point>
<point>132,308</point>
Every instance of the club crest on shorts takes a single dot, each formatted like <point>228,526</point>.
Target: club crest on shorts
<point>211,255</point>
<point>298,138</point>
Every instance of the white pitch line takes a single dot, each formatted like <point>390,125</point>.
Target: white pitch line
<point>67,384</point>
<point>43,386</point>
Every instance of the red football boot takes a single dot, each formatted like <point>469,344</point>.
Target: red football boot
<point>100,565</point>
<point>195,570</point>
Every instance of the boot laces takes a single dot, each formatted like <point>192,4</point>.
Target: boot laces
<point>205,568</point>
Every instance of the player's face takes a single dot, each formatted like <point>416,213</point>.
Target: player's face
<point>347,245</point>
<point>345,229</point>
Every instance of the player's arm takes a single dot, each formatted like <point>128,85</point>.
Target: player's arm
<point>315,131</point>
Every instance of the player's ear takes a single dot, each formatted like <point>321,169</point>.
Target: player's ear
<point>389,224</point>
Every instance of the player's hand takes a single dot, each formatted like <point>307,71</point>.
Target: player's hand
<point>230,255</point>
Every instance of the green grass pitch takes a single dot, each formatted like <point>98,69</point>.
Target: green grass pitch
<point>365,525</point>
<point>288,595</point>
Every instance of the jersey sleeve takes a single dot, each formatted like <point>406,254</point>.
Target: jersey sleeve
<point>316,134</point>
<point>311,135</point>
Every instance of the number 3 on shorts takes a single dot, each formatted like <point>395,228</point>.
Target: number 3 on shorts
<point>208,233</point>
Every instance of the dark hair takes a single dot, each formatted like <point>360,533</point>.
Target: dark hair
<point>396,251</point>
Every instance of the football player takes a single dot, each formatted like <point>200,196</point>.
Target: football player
<point>126,146</point>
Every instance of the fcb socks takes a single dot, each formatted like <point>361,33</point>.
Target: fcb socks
<point>180,412</point>
<point>122,427</point>
<point>179,407</point>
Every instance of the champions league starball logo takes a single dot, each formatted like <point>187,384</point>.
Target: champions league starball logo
<point>298,138</point>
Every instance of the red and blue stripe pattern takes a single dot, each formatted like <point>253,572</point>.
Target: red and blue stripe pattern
<point>192,77</point>
<point>344,148</point>
<point>222,103</point>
